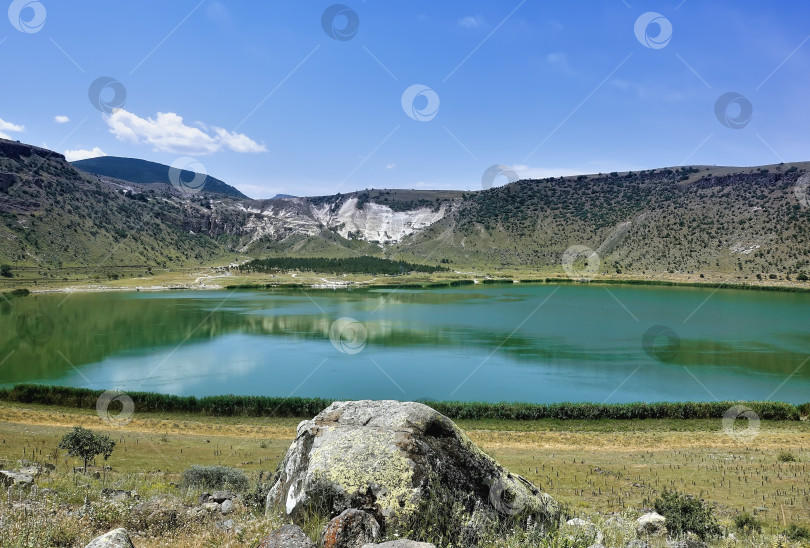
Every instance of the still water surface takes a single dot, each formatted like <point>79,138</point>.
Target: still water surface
<point>537,343</point>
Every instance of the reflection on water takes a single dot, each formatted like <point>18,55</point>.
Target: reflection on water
<point>532,343</point>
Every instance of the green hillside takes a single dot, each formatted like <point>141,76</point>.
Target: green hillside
<point>144,172</point>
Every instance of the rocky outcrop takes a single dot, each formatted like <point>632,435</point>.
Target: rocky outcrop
<point>287,536</point>
<point>8,478</point>
<point>117,538</point>
<point>389,459</point>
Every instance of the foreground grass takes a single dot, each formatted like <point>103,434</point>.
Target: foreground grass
<point>594,467</point>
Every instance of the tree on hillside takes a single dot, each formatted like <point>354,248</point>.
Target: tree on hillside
<point>5,270</point>
<point>86,444</point>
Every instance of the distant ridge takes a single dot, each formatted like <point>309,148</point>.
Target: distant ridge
<point>145,172</point>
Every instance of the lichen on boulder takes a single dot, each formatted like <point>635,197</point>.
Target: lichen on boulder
<point>389,458</point>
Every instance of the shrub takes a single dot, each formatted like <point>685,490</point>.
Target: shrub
<point>747,523</point>
<point>215,477</point>
<point>687,514</point>
<point>797,532</point>
<point>786,456</point>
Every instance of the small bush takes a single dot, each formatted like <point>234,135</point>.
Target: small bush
<point>797,532</point>
<point>687,514</point>
<point>747,523</point>
<point>215,477</point>
<point>786,456</point>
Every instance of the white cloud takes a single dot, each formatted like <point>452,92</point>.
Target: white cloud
<point>168,133</point>
<point>8,126</point>
<point>390,166</point>
<point>61,119</point>
<point>79,154</point>
<point>471,21</point>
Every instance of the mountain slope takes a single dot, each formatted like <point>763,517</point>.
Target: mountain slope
<point>737,223</point>
<point>144,172</point>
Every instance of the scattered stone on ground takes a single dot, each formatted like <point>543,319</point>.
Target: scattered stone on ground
<point>351,529</point>
<point>287,536</point>
<point>117,538</point>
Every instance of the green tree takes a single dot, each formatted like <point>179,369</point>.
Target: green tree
<point>5,270</point>
<point>86,444</point>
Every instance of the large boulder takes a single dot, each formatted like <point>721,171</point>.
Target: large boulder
<point>117,538</point>
<point>651,523</point>
<point>389,458</point>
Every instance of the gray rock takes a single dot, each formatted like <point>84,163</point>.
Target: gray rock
<point>401,543</point>
<point>651,523</point>
<point>386,457</point>
<point>117,538</point>
<point>596,546</point>
<point>32,471</point>
<point>351,529</point>
<point>205,497</point>
<point>288,536</point>
<point>221,496</point>
<point>226,507</point>
<point>211,506</point>
<point>8,478</point>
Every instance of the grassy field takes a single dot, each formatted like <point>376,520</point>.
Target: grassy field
<point>594,467</point>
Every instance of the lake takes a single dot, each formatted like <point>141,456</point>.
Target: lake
<point>534,343</point>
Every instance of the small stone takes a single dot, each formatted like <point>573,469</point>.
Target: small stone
<point>205,497</point>
<point>117,538</point>
<point>221,496</point>
<point>651,523</point>
<point>226,507</point>
<point>287,536</point>
<point>211,506</point>
<point>351,529</point>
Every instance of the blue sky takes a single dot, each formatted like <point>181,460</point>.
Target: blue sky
<point>264,98</point>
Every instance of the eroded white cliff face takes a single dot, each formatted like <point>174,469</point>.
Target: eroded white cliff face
<point>376,222</point>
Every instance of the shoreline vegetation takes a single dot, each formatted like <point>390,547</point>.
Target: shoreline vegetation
<point>267,406</point>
